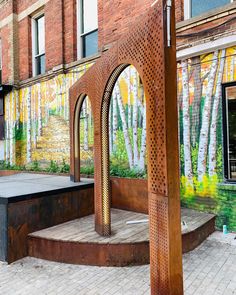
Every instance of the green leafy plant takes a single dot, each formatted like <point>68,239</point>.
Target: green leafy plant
<point>54,167</point>
<point>65,168</point>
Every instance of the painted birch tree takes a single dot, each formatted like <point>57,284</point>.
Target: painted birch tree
<point>85,117</point>
<point>129,98</point>
<point>186,124</point>
<point>135,118</point>
<point>215,110</point>
<point>114,122</point>
<point>39,110</point>
<point>124,126</point>
<point>204,133</point>
<point>143,142</point>
<point>28,158</point>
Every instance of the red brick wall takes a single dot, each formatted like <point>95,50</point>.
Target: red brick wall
<point>179,10</point>
<point>54,34</point>
<point>115,17</point>
<point>25,49</point>
<point>70,38</point>
<point>6,54</point>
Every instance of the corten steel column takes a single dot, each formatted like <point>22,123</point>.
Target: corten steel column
<point>163,164</point>
<point>150,47</point>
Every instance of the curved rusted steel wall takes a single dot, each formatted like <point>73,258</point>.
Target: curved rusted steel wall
<point>145,47</point>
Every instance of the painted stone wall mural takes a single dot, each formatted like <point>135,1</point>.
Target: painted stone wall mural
<point>200,118</point>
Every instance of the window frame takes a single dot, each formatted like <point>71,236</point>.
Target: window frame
<point>80,34</point>
<point>188,6</point>
<point>34,34</point>
<point>225,133</point>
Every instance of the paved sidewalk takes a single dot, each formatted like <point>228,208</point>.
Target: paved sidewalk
<point>210,269</point>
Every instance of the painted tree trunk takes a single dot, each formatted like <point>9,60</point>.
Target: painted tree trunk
<point>7,149</point>
<point>115,122</point>
<point>17,110</point>
<point>188,172</point>
<point>143,142</point>
<point>135,119</point>
<point>204,133</point>
<point>61,96</point>
<point>65,97</point>
<point>124,126</point>
<point>197,100</point>
<point>39,111</point>
<point>110,127</point>
<point>85,115</point>
<point>47,105</point>
<point>140,102</point>
<point>12,127</point>
<point>129,99</point>
<point>34,119</point>
<point>212,144</point>
<point>28,158</point>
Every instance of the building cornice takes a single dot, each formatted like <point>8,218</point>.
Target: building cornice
<point>207,17</point>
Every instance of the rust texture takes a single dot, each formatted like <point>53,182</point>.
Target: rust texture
<point>129,194</point>
<point>145,47</point>
<point>27,216</point>
<point>120,254</point>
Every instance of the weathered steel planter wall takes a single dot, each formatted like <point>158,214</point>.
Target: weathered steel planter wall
<point>25,214</point>
<point>130,194</point>
<point>145,47</point>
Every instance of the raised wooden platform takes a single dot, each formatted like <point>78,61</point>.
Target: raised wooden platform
<point>76,241</point>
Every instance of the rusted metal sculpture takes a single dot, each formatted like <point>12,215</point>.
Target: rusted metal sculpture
<point>150,48</point>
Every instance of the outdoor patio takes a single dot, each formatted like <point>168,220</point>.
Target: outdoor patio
<point>210,270</point>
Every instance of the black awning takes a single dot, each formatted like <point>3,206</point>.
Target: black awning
<point>4,89</point>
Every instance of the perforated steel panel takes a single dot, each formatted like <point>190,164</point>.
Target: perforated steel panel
<point>145,48</point>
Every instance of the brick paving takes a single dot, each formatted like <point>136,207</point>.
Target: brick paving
<point>209,269</point>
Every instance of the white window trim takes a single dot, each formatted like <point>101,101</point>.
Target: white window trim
<point>207,47</point>
<point>187,9</point>
<point>79,24</point>
<point>33,34</point>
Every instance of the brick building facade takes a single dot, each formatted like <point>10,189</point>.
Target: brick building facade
<point>206,49</point>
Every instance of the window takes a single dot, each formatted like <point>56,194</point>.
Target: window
<point>38,38</point>
<point>196,7</point>
<point>229,127</point>
<point>88,39</point>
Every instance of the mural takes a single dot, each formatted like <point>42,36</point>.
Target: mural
<point>37,123</point>
<point>127,129</point>
<point>37,129</point>
<point>86,138</point>
<point>200,119</point>
<point>127,126</point>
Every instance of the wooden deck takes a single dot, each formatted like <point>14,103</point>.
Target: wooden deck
<point>82,230</point>
<point>77,242</point>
